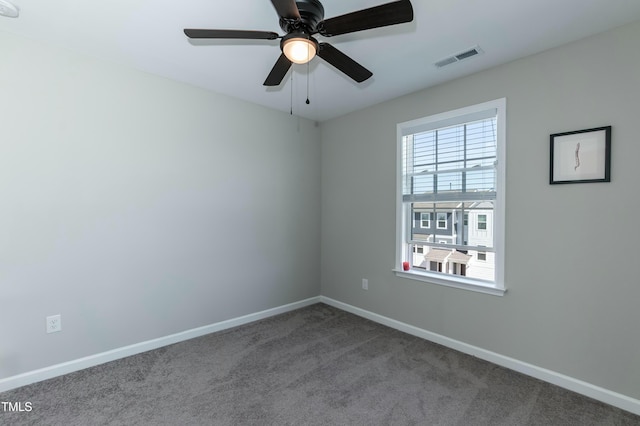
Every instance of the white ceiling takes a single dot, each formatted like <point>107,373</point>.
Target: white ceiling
<point>147,35</point>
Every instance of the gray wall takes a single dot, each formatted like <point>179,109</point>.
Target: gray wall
<point>138,207</point>
<point>571,268</point>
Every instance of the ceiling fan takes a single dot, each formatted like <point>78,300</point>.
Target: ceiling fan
<point>301,20</point>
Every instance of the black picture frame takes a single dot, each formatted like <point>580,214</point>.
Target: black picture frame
<point>580,156</point>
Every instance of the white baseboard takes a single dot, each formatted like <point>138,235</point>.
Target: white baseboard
<point>112,355</point>
<point>604,395</point>
<point>609,397</point>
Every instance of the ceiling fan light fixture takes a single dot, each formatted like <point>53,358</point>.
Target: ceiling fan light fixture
<point>299,48</point>
<point>300,20</point>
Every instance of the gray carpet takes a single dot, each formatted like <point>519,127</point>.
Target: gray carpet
<point>313,366</point>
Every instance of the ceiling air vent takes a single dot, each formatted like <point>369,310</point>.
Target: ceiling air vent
<point>459,57</point>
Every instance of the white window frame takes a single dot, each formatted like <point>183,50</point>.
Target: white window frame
<point>428,220</point>
<point>438,220</point>
<point>482,221</point>
<point>497,287</point>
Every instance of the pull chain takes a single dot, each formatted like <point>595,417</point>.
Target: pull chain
<point>307,102</point>
<point>291,98</point>
<point>308,54</point>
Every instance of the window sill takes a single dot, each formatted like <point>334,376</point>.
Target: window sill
<point>460,282</point>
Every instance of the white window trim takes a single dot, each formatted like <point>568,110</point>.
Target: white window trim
<point>485,221</point>
<point>428,220</point>
<point>498,287</point>
<point>438,221</point>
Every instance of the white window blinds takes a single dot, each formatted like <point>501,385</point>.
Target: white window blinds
<point>452,163</point>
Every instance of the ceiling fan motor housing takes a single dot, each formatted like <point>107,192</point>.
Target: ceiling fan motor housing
<point>311,14</point>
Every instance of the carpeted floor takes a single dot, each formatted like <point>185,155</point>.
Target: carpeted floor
<point>313,366</point>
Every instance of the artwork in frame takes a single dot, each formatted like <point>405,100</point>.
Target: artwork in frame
<point>581,156</point>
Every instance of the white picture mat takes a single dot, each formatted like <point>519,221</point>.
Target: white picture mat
<point>587,164</point>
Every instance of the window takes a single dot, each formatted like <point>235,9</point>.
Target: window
<point>482,222</point>
<point>451,168</point>
<point>425,220</point>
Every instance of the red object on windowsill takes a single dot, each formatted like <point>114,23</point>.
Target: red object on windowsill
<point>405,266</point>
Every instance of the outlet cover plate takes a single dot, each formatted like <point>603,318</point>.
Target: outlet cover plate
<point>54,323</point>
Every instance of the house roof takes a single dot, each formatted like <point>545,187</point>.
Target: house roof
<point>437,255</point>
<point>441,255</point>
<point>459,257</point>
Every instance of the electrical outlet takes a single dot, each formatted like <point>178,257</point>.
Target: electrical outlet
<point>365,284</point>
<point>54,323</point>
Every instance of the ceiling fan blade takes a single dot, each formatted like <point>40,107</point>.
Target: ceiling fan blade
<point>343,63</point>
<point>396,12</point>
<point>286,9</point>
<point>238,34</point>
<point>278,71</point>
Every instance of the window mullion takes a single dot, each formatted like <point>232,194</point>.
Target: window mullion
<point>436,151</point>
<point>464,159</point>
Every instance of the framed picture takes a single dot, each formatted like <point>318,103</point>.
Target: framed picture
<point>581,156</point>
